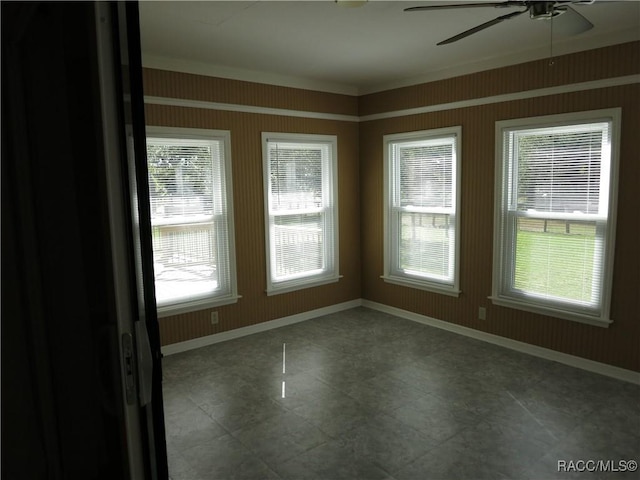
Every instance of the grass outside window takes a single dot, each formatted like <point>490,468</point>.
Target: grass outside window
<point>546,253</point>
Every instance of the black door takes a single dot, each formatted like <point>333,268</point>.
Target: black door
<point>81,391</point>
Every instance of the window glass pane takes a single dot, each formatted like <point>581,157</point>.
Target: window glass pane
<point>296,176</point>
<point>557,259</point>
<point>184,260</point>
<point>180,181</point>
<point>298,243</point>
<point>559,171</point>
<point>426,240</point>
<point>426,173</point>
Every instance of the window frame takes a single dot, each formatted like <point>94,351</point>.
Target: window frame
<point>502,291</point>
<point>392,272</point>
<point>327,275</point>
<point>229,294</point>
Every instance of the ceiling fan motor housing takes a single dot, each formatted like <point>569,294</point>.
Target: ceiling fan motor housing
<point>544,10</point>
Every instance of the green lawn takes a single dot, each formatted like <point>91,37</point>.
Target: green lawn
<point>546,261</point>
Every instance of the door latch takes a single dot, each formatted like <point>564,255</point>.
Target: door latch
<point>128,365</point>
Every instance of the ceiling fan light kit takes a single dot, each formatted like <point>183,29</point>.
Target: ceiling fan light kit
<point>567,20</point>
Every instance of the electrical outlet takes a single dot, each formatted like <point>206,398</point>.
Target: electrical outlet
<point>482,313</point>
<point>214,318</point>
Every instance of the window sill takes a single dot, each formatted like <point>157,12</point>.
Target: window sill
<point>429,287</point>
<point>195,305</point>
<point>300,286</point>
<point>551,312</point>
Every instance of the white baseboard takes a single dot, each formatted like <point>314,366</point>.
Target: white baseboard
<point>260,327</point>
<point>565,358</point>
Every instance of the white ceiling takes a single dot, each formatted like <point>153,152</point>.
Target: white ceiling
<point>322,45</point>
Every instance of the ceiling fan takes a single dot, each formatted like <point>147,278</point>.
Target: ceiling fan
<point>569,22</point>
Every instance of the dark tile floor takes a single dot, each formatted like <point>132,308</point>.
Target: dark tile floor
<point>365,395</point>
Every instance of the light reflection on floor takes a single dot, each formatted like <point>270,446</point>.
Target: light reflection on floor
<point>284,368</point>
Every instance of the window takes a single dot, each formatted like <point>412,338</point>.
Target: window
<point>301,210</point>
<point>422,194</point>
<point>192,218</point>
<point>555,214</point>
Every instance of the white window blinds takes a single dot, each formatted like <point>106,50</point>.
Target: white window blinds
<point>422,197</point>
<point>555,217</point>
<point>301,210</point>
<point>559,168</point>
<point>190,220</point>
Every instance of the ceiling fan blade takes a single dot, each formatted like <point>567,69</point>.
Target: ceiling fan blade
<point>488,24</point>
<point>570,23</point>
<point>508,3</point>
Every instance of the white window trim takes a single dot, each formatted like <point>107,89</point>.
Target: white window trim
<point>613,115</point>
<point>327,277</point>
<point>410,281</point>
<point>208,301</point>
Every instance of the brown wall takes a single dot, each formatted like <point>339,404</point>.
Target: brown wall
<point>360,194</point>
<point>246,153</point>
<point>619,344</point>
<point>161,83</point>
<point>609,62</point>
